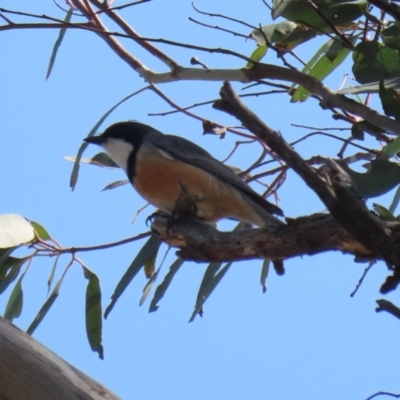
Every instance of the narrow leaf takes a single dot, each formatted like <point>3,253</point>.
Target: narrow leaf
<point>390,99</point>
<point>390,149</point>
<point>15,302</point>
<point>257,55</point>
<point>148,287</point>
<point>208,276</point>
<point>150,248</point>
<point>395,201</point>
<point>75,169</point>
<point>4,254</point>
<point>7,265</point>
<point>51,276</point>
<point>45,307</point>
<point>58,43</point>
<point>264,274</point>
<point>162,288</point>
<point>10,277</point>
<point>150,266</point>
<point>116,184</point>
<point>93,312</point>
<point>208,290</point>
<point>323,67</point>
<point>383,212</point>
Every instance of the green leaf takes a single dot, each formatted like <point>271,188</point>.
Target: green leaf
<point>395,201</point>
<point>334,54</point>
<point>15,302</point>
<point>100,160</point>
<point>7,265</point>
<point>116,184</point>
<point>264,274</point>
<point>148,287</point>
<point>338,12</point>
<point>14,231</point>
<point>52,272</point>
<point>382,177</point>
<point>148,250</point>
<point>45,308</point>
<point>58,42</point>
<point>4,254</point>
<point>205,292</point>
<point>41,232</point>
<point>286,35</point>
<point>375,62</point>
<point>390,149</point>
<point>93,312</point>
<point>150,266</point>
<point>391,37</point>
<point>383,212</point>
<point>12,273</point>
<point>93,131</point>
<point>390,99</point>
<point>162,288</point>
<point>257,55</point>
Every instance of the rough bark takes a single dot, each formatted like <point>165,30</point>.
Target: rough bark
<point>309,235</point>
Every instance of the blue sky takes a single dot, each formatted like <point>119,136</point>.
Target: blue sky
<point>305,338</point>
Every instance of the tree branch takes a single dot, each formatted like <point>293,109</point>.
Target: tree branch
<point>332,185</point>
<point>29,370</point>
<point>310,235</point>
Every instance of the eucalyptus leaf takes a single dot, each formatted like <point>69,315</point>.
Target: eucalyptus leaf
<point>14,231</point>
<point>381,178</point>
<point>15,302</point>
<point>162,288</point>
<point>374,61</point>
<point>116,184</point>
<point>94,322</point>
<point>58,42</point>
<point>41,232</point>
<point>148,250</point>
<point>264,274</point>
<point>45,308</point>
<point>390,99</point>
<point>208,289</point>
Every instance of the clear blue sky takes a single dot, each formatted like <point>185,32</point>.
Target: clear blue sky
<point>304,339</point>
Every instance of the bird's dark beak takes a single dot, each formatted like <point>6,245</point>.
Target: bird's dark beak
<point>99,140</point>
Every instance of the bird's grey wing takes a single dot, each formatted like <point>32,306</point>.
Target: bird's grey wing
<point>182,149</point>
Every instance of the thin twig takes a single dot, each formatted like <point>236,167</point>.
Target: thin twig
<point>346,42</point>
<point>218,28</point>
<point>361,280</point>
<point>73,250</point>
<point>334,137</point>
<point>195,116</point>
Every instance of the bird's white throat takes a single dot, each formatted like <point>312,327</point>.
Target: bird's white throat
<point>119,151</point>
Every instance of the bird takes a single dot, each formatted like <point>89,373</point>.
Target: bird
<point>158,165</point>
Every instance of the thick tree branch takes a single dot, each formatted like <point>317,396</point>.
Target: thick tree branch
<point>267,71</point>
<point>29,370</point>
<point>333,185</point>
<point>311,235</point>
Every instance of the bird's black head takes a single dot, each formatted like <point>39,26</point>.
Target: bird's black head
<point>122,141</point>
<point>129,131</point>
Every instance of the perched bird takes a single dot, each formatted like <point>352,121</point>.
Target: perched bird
<point>158,165</point>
